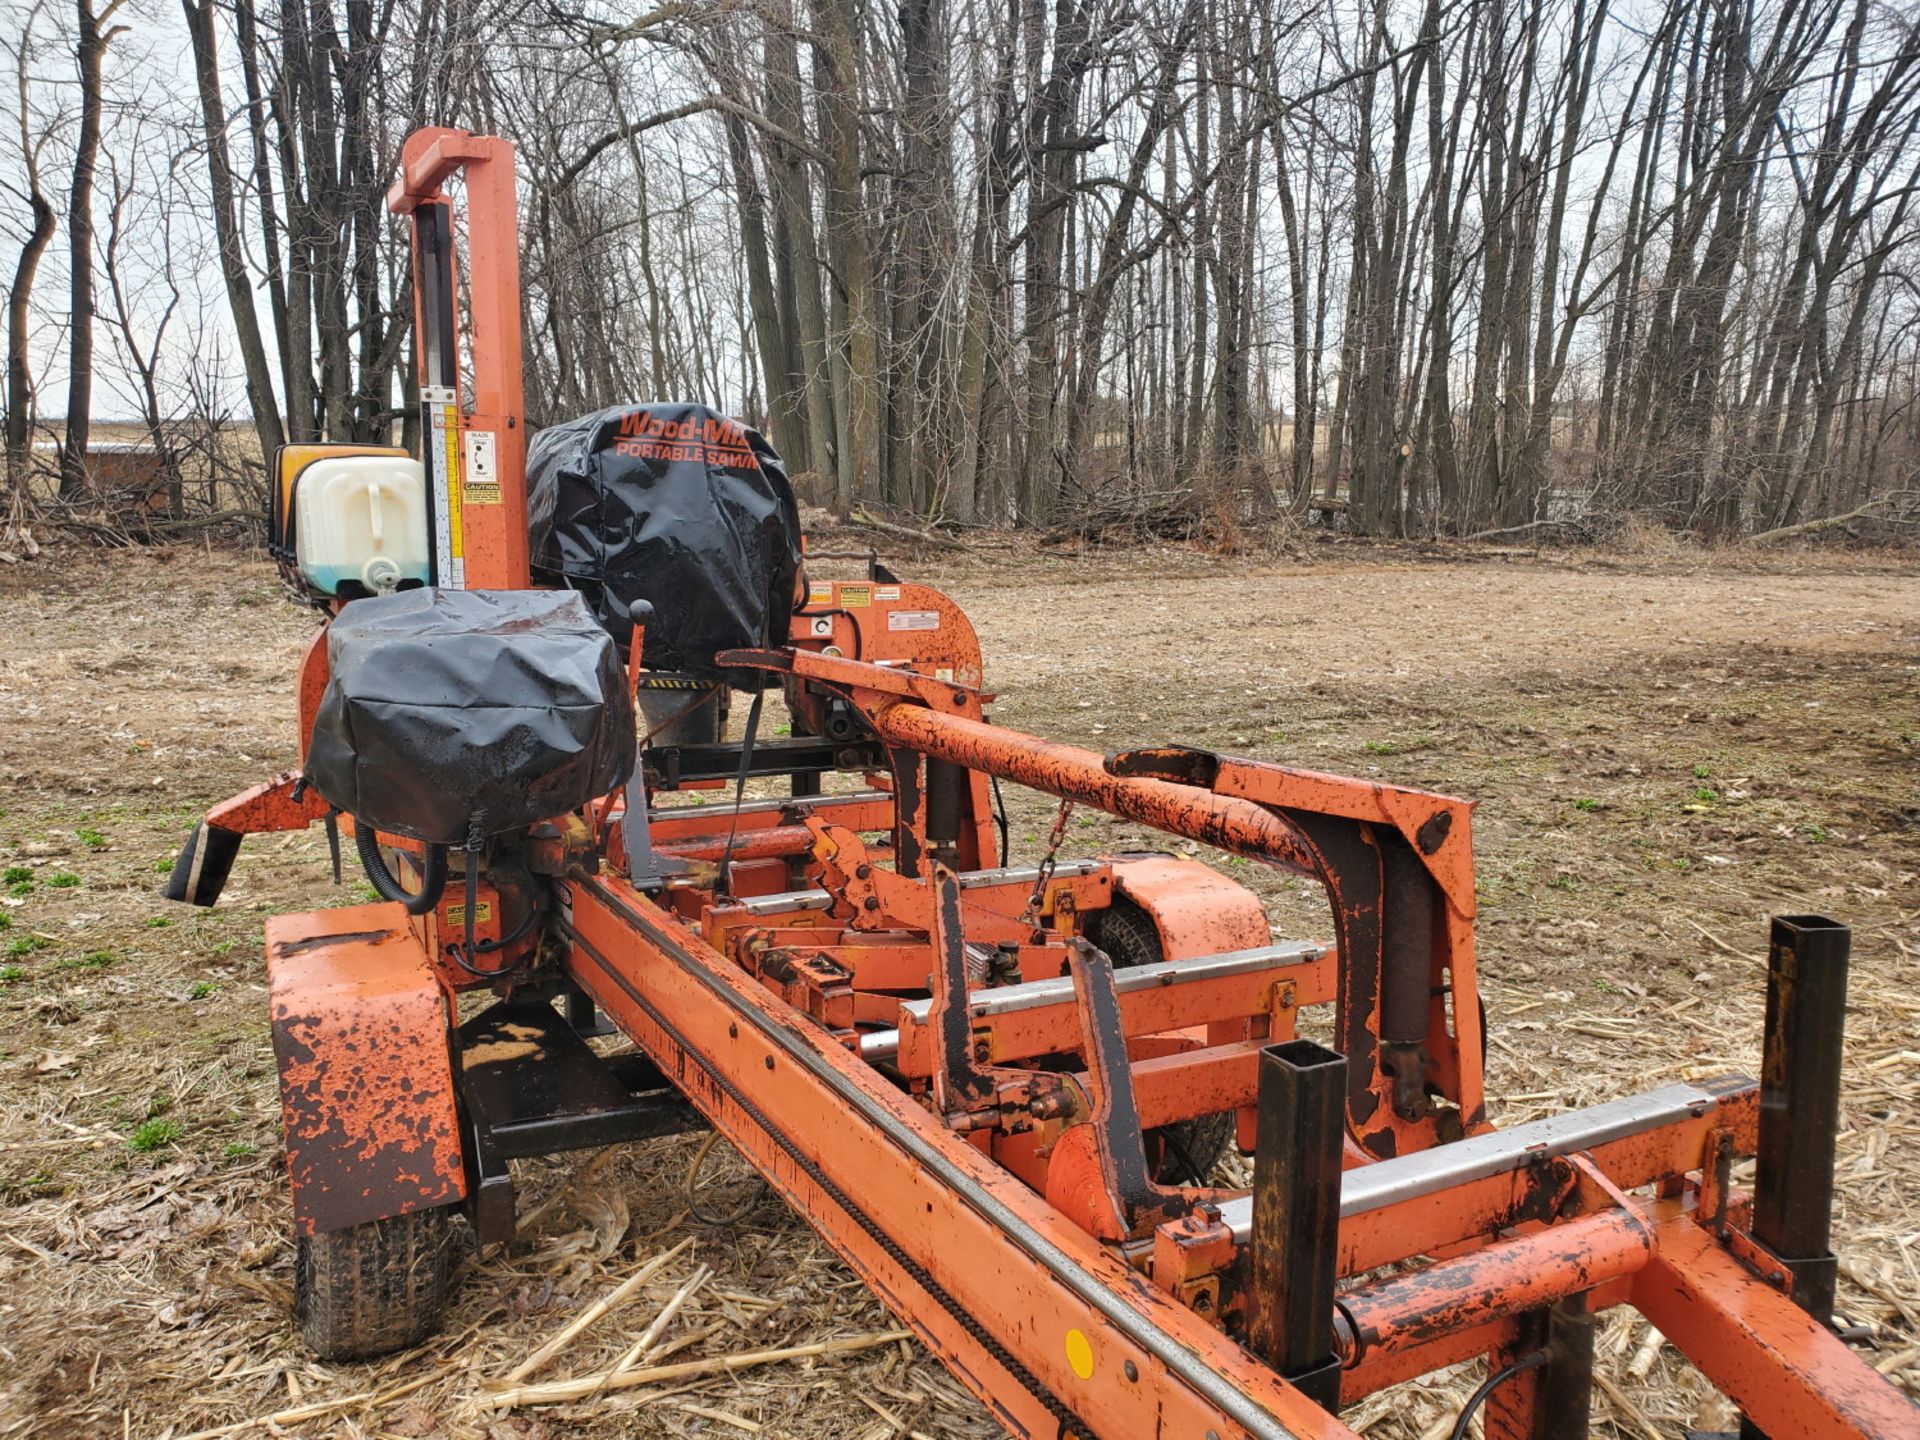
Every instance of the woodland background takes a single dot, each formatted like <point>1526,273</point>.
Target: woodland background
<point>1409,267</point>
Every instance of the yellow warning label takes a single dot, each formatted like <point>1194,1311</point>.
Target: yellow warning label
<point>856,597</point>
<point>457,912</point>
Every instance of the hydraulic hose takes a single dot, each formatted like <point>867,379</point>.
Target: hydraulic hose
<point>1531,1361</point>
<point>433,877</point>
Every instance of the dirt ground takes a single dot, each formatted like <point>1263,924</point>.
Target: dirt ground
<point>1666,749</point>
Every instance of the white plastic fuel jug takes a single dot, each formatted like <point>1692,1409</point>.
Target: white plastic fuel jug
<point>362,518</point>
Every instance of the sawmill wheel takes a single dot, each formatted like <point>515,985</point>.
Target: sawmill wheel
<point>373,1288</point>
<point>1189,1149</point>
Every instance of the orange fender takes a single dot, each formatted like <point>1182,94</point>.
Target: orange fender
<point>1196,909</point>
<point>360,1028</point>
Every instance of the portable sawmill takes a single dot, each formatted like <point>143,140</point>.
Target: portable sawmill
<point>1000,1091</point>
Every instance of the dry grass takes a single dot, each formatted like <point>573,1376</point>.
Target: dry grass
<point>145,1290</point>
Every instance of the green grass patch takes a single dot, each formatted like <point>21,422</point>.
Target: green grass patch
<point>92,839</point>
<point>27,944</point>
<point>20,889</point>
<point>240,1150</point>
<point>154,1134</point>
<point>159,922</point>
<point>201,989</point>
<point>163,867</point>
<point>14,874</point>
<point>1378,747</point>
<point>63,880</point>
<point>92,960</point>
<point>11,974</point>
<point>1586,805</point>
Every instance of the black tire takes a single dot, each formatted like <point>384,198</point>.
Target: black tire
<point>1188,1150</point>
<point>373,1288</point>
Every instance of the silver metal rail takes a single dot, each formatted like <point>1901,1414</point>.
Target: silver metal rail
<point>969,880</point>
<point>1407,1177</point>
<point>1005,999</point>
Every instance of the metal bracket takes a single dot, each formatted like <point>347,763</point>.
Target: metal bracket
<point>1120,1145</point>
<point>647,868</point>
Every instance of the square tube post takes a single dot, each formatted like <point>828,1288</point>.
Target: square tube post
<point>1800,1106</point>
<point>1293,1249</point>
<point>1800,1102</point>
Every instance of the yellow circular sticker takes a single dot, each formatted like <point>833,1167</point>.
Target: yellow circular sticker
<point>1080,1354</point>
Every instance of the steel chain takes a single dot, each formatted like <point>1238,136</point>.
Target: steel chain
<point>1031,915</point>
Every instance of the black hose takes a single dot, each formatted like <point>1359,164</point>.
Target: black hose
<point>1532,1361</point>
<point>433,876</point>
<point>723,884</point>
<point>463,955</point>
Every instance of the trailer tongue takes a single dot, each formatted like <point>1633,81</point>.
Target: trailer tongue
<point>999,1091</point>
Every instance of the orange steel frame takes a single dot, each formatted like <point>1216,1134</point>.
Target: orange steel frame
<point>839,1004</point>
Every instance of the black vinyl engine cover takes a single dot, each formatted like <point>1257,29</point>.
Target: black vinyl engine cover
<point>451,711</point>
<point>676,505</point>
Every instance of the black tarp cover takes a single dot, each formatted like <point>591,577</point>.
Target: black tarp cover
<point>676,505</point>
<point>443,706</point>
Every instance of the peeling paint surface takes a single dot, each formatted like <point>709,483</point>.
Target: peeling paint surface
<point>366,1079</point>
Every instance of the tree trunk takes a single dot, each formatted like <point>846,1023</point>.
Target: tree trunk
<point>233,265</point>
<point>90,54</point>
<point>20,396</point>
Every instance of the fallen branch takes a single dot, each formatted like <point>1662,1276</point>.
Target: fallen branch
<point>1814,527</point>
<point>555,1392</point>
<point>1574,524</point>
<point>592,1313</point>
<point>906,532</point>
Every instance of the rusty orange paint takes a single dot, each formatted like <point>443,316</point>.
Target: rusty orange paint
<point>495,532</point>
<point>1053,1028</point>
<point>315,670</point>
<point>1295,838</point>
<point>681,824</point>
<point>1789,1373</point>
<point>366,1080</point>
<point>1495,1283</point>
<point>269,807</point>
<point>1195,909</point>
<point>693,1013</point>
<point>982,1224</point>
<point>891,623</point>
<point>1236,826</point>
<point>1348,823</point>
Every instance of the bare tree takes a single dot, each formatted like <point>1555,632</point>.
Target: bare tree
<point>42,222</point>
<point>94,34</point>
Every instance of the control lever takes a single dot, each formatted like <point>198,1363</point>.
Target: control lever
<point>647,869</point>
